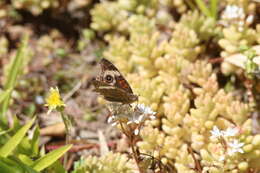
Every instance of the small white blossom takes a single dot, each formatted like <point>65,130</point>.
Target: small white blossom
<point>137,119</point>
<point>221,158</point>
<point>230,132</point>
<point>233,12</point>
<point>216,133</point>
<point>113,120</point>
<point>141,114</point>
<point>114,123</point>
<point>235,147</point>
<point>136,132</point>
<point>145,109</point>
<point>234,15</point>
<point>249,19</point>
<point>134,116</point>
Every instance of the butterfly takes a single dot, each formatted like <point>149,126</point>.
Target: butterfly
<point>112,85</point>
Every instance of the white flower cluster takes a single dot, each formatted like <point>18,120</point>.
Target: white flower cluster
<point>141,113</point>
<point>233,12</point>
<point>137,116</point>
<point>233,145</point>
<point>235,15</point>
<point>230,132</point>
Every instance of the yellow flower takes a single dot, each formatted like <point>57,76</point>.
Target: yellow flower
<point>54,100</point>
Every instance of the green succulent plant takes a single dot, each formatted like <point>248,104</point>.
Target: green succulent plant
<point>170,72</point>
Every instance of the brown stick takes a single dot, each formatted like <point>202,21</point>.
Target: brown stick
<point>197,163</point>
<point>136,157</point>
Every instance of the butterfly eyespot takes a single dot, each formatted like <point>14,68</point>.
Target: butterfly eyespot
<point>109,78</point>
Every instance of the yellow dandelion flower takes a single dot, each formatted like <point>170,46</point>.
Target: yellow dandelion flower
<point>54,101</point>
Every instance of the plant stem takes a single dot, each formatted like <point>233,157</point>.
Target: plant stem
<point>67,136</point>
<point>197,163</point>
<point>136,157</point>
<point>130,139</point>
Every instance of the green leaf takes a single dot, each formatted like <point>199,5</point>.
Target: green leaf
<point>14,165</point>
<point>30,147</point>
<point>25,147</point>
<point>50,158</point>
<point>42,151</point>
<point>56,167</point>
<point>15,68</point>
<point>35,141</point>
<point>214,8</point>
<point>203,8</point>
<point>4,95</point>
<point>25,159</point>
<point>16,124</point>
<point>15,140</point>
<point>4,132</point>
<point>190,4</point>
<point>9,166</point>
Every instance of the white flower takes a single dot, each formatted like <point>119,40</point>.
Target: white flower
<point>113,120</point>
<point>221,158</point>
<point>235,147</point>
<point>234,15</point>
<point>233,12</point>
<point>145,109</point>
<point>140,114</point>
<point>136,119</point>
<point>136,132</point>
<point>216,133</point>
<point>230,132</point>
<point>249,19</point>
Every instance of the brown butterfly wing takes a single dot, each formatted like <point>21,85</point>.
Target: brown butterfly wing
<point>107,65</point>
<point>117,88</point>
<point>120,80</point>
<point>113,94</point>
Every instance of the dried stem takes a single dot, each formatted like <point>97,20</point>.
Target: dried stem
<point>135,154</point>
<point>197,163</point>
